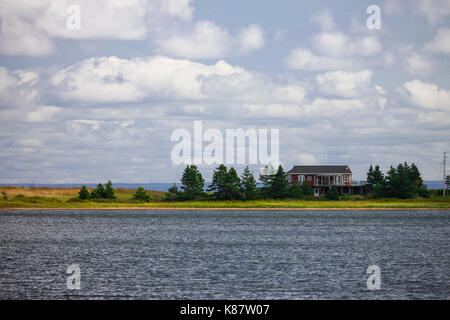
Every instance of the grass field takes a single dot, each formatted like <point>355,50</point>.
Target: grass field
<point>19,197</point>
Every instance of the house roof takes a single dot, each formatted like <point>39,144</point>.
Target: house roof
<point>319,169</point>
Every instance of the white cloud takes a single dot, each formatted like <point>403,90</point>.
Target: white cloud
<point>440,43</point>
<point>251,38</point>
<point>417,64</point>
<point>159,78</point>
<point>307,158</point>
<point>337,44</point>
<point>303,59</point>
<point>206,41</point>
<point>427,95</point>
<point>29,27</point>
<point>324,19</point>
<point>434,10</point>
<point>344,84</point>
<point>17,88</point>
<point>42,114</point>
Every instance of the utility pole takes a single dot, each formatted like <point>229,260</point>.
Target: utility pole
<point>443,181</point>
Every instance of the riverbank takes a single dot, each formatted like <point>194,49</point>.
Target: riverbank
<point>49,198</point>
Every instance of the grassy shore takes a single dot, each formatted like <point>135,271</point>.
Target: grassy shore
<point>60,198</point>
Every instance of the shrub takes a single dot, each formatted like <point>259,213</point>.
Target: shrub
<point>141,195</point>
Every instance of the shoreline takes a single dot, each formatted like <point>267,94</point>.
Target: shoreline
<point>221,209</point>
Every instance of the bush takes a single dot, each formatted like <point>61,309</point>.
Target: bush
<point>333,193</point>
<point>141,195</point>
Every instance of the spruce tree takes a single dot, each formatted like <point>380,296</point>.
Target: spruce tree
<point>192,183</point>
<point>219,181</point>
<point>295,191</point>
<point>83,194</point>
<point>370,179</point>
<point>249,187</point>
<point>378,176</point>
<point>141,195</point>
<point>233,185</point>
<point>333,193</point>
<point>306,189</point>
<point>279,185</point>
<point>266,176</point>
<point>109,191</point>
<point>98,192</point>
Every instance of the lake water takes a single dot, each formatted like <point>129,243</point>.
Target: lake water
<point>224,254</point>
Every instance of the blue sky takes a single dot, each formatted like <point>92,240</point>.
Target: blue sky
<point>100,102</point>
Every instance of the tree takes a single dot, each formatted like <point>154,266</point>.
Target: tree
<point>279,185</point>
<point>192,183</point>
<point>219,181</point>
<point>333,193</point>
<point>83,194</point>
<point>141,195</point>
<point>401,185</point>
<point>109,191</point>
<point>306,189</point>
<point>249,187</point>
<point>266,175</point>
<point>233,185</point>
<point>98,192</point>
<point>295,191</point>
<point>378,176</point>
<point>370,179</point>
<point>173,193</point>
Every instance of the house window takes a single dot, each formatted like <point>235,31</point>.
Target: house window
<point>289,177</point>
<point>301,179</point>
<point>338,179</point>
<point>345,178</point>
<point>309,178</point>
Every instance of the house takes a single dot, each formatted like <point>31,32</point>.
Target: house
<point>321,178</point>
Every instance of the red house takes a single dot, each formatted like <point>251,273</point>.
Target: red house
<point>322,178</point>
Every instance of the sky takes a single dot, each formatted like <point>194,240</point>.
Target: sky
<point>96,98</point>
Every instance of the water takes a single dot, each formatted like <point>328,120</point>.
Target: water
<point>224,254</point>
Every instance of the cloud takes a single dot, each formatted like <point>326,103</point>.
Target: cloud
<point>307,158</point>
<point>344,84</point>
<point>17,88</point>
<point>157,78</point>
<point>427,95</point>
<point>209,41</point>
<point>30,27</point>
<point>324,19</point>
<point>337,44</point>
<point>251,38</point>
<point>434,10</point>
<point>418,64</point>
<point>304,59</point>
<point>440,43</point>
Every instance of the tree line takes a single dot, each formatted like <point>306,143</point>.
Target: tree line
<point>107,192</point>
<point>228,185</point>
<point>402,182</point>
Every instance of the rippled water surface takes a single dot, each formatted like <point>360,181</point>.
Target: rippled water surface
<point>224,254</point>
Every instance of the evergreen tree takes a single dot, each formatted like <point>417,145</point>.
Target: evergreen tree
<point>266,176</point>
<point>279,185</point>
<point>219,181</point>
<point>306,189</point>
<point>295,191</point>
<point>370,179</point>
<point>173,193</point>
<point>333,193</point>
<point>233,185</point>
<point>99,192</point>
<point>192,183</point>
<point>249,188</point>
<point>401,184</point>
<point>109,191</point>
<point>141,195</point>
<point>415,175</point>
<point>83,194</point>
<point>378,176</point>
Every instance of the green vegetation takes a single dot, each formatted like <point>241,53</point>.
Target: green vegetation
<point>141,195</point>
<point>403,182</point>
<point>401,187</point>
